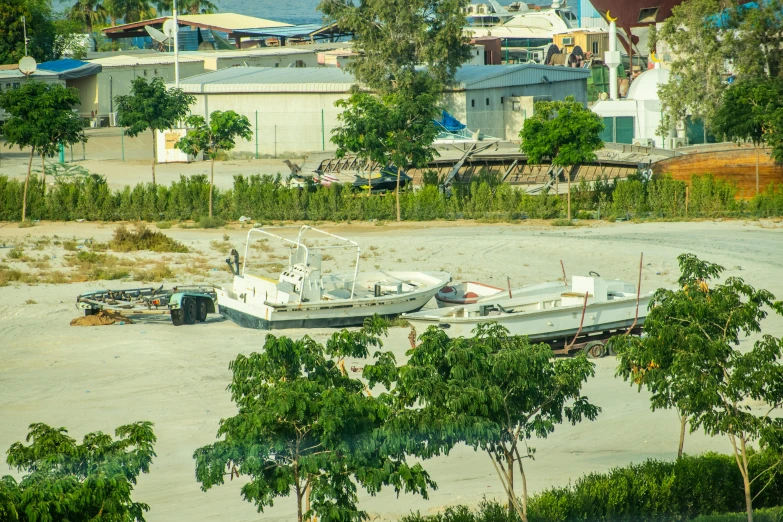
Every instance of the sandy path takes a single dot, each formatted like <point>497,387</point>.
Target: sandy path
<point>98,378</point>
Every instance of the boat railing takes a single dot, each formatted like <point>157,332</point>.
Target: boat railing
<point>299,242</point>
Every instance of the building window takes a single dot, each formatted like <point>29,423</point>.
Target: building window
<point>487,101</point>
<point>515,106</point>
<point>472,103</point>
<point>595,47</point>
<point>300,63</point>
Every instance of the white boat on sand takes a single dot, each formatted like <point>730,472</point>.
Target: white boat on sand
<point>303,297</point>
<point>609,305</point>
<point>471,292</point>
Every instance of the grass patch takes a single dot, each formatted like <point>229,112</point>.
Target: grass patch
<point>31,302</point>
<point>164,225</point>
<point>142,238</point>
<point>156,273</point>
<point>262,245</point>
<point>394,322</point>
<point>40,244</point>
<point>15,253</point>
<point>563,223</point>
<point>327,257</point>
<point>69,245</point>
<point>220,246</point>
<point>26,224</point>
<point>210,222</point>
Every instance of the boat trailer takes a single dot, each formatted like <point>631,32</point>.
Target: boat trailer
<point>185,304</point>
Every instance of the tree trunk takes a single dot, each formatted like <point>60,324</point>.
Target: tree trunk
<point>43,169</point>
<point>398,196</point>
<point>746,480</point>
<point>510,481</point>
<point>757,169</point>
<point>26,184</point>
<point>569,193</point>
<point>154,154</point>
<point>510,493</point>
<point>298,503</point>
<point>683,424</point>
<point>211,183</point>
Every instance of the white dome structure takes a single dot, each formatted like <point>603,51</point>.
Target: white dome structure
<point>645,86</point>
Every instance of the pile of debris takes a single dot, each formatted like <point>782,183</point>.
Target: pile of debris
<point>101,318</point>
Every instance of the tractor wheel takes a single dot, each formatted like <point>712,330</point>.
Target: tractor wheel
<point>202,310</point>
<point>595,350</point>
<point>189,309</point>
<point>177,317</point>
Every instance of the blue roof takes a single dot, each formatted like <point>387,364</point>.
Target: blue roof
<point>68,69</point>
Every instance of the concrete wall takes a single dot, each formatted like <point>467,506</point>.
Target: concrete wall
<point>116,81</point>
<point>308,59</point>
<point>286,122</point>
<point>88,94</point>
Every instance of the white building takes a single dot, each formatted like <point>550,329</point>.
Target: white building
<point>635,119</point>
<point>292,110</point>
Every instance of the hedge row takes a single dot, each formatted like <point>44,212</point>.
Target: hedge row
<point>267,198</point>
<point>703,487</point>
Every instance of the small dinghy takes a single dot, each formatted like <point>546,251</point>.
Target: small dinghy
<point>589,304</point>
<point>304,297</point>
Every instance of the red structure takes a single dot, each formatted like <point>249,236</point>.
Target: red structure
<point>635,13</point>
<point>492,49</point>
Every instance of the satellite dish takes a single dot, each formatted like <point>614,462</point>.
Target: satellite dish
<point>27,65</point>
<point>169,28</point>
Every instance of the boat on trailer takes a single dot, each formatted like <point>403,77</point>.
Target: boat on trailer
<point>471,292</point>
<point>589,305</point>
<point>304,297</point>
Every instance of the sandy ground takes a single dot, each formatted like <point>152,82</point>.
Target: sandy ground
<point>102,154</point>
<point>97,378</point>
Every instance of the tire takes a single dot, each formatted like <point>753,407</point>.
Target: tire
<point>189,310</point>
<point>595,350</point>
<point>201,315</point>
<point>177,317</point>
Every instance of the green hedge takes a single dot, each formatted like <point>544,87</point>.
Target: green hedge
<point>264,198</point>
<point>702,487</point>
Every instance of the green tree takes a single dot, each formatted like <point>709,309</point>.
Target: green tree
<point>706,40</point>
<point>304,426</point>
<point>690,359</point>
<point>493,392</point>
<point>394,37</point>
<point>89,13</point>
<point>151,106</point>
<point>40,118</point>
<point>565,132</point>
<point>395,129</point>
<point>45,31</point>
<point>747,113</point>
<point>212,138</point>
<point>64,481</point>
<point>187,6</point>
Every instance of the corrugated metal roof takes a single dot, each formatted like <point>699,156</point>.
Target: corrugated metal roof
<point>270,79</point>
<point>231,21</point>
<point>130,60</point>
<point>285,32</point>
<point>328,79</point>
<point>492,76</point>
<point>245,53</point>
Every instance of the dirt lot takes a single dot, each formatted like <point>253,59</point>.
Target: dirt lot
<point>103,154</point>
<point>97,378</point>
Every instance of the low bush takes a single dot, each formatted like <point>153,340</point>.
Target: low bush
<point>142,238</point>
<point>269,199</point>
<point>759,515</point>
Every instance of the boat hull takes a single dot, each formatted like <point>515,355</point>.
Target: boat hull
<point>543,325</point>
<point>336,314</point>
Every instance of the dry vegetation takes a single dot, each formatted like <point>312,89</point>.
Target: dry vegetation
<point>142,238</point>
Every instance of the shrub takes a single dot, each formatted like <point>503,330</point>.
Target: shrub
<point>210,222</point>
<point>15,253</point>
<point>759,515</point>
<point>142,238</point>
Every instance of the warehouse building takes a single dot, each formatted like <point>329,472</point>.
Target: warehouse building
<point>292,110</point>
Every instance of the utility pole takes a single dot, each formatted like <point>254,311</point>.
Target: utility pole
<point>176,47</point>
<point>24,29</point>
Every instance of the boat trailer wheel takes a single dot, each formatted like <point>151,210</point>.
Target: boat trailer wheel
<point>189,310</point>
<point>595,349</point>
<point>202,310</point>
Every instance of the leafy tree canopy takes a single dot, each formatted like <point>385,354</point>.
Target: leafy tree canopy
<point>565,132</point>
<point>49,35</point>
<point>691,358</point>
<point>709,39</point>
<point>493,392</point>
<point>393,37</point>
<point>304,426</point>
<point>64,481</point>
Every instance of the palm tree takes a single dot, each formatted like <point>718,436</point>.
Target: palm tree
<point>187,6</point>
<point>136,10</point>
<point>89,12</point>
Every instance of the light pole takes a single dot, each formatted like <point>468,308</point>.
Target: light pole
<point>24,29</point>
<point>176,47</point>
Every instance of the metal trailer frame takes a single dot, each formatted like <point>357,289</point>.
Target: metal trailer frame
<point>185,304</point>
